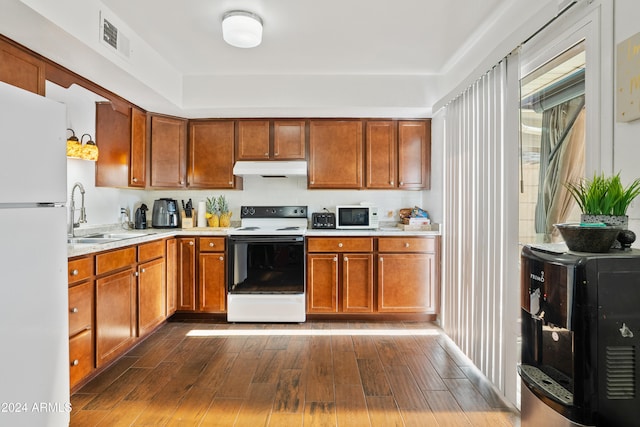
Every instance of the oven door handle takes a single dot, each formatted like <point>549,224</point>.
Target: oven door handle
<point>266,239</point>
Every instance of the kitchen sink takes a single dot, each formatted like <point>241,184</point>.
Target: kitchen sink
<point>103,238</point>
<point>86,240</point>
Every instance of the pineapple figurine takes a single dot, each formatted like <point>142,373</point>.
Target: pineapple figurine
<point>225,215</point>
<point>213,219</point>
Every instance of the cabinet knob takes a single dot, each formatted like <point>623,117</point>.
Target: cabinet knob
<point>381,259</point>
<point>74,310</point>
<point>391,182</point>
<point>74,272</point>
<point>276,154</point>
<point>230,182</point>
<point>340,245</point>
<point>191,243</point>
<point>75,362</point>
<point>134,179</point>
<point>143,270</point>
<point>212,244</point>
<point>335,259</point>
<point>266,154</point>
<point>221,258</point>
<point>401,183</point>
<point>406,245</point>
<point>311,182</point>
<point>346,259</point>
<point>181,182</point>
<point>135,273</point>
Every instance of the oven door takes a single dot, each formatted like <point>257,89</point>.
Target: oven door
<point>266,264</point>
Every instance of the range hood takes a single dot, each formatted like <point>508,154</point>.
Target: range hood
<point>271,169</point>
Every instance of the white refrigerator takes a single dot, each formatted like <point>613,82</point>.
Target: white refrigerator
<point>34,328</point>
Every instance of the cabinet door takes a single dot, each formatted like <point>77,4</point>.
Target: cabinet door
<point>253,140</point>
<point>80,357</point>
<point>322,283</point>
<point>381,148</point>
<point>168,152</point>
<point>80,308</point>
<point>115,315</point>
<point>406,283</point>
<point>335,154</point>
<point>138,169</point>
<point>186,273</point>
<point>113,137</point>
<point>21,69</point>
<point>211,154</point>
<point>212,282</point>
<point>357,283</point>
<point>289,140</point>
<point>172,276</point>
<point>414,154</point>
<point>151,295</point>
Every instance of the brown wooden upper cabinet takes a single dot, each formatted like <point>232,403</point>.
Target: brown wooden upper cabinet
<point>113,137</point>
<point>138,161</point>
<point>211,154</point>
<point>335,154</point>
<point>414,154</point>
<point>22,69</point>
<point>168,161</point>
<point>398,154</point>
<point>271,140</point>
<point>121,136</point>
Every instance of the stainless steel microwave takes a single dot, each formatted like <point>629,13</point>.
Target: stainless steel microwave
<point>356,216</point>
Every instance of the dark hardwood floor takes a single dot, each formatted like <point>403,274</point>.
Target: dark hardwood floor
<point>312,374</point>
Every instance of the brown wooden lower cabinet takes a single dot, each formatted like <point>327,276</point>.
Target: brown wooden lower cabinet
<point>81,355</point>
<point>340,281</point>
<point>407,274</point>
<point>186,273</point>
<point>342,276</point>
<point>212,275</point>
<point>152,299</point>
<point>172,276</point>
<point>115,315</point>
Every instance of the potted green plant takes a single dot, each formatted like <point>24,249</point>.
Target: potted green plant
<point>604,199</point>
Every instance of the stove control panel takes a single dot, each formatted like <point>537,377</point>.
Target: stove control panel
<point>323,220</point>
<point>273,212</point>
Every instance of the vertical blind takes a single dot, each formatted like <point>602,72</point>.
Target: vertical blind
<point>480,244</point>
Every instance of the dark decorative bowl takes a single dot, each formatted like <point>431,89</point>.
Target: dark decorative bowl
<point>588,239</point>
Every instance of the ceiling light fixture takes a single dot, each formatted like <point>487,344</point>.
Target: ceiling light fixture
<point>242,29</point>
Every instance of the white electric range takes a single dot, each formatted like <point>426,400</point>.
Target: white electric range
<point>267,266</point>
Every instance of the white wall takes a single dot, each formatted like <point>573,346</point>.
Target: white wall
<point>626,147</point>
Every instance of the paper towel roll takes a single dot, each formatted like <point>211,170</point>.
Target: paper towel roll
<point>202,210</point>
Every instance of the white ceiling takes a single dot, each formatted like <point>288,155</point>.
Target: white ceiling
<point>309,36</point>
<point>336,58</point>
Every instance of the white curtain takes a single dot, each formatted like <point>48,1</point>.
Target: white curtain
<point>480,280</point>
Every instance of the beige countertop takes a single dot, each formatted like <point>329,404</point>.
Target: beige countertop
<point>148,235</point>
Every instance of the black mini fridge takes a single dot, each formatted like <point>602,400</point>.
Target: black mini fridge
<point>580,337</point>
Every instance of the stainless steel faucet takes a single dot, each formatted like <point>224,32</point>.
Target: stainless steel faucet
<point>72,207</point>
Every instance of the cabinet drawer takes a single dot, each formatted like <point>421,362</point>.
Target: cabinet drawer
<point>406,244</point>
<point>80,357</point>
<point>80,308</point>
<point>115,260</point>
<point>212,244</point>
<point>340,244</point>
<point>79,269</point>
<point>149,251</point>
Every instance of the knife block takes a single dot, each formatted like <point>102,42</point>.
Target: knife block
<point>188,222</point>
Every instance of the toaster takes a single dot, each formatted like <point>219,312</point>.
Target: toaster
<point>165,214</point>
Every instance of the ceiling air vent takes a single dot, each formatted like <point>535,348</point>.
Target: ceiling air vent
<point>112,37</point>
